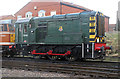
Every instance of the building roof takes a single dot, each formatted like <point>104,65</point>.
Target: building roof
<point>75,6</point>
<point>44,3</point>
<point>23,20</point>
<point>5,21</point>
<point>112,25</point>
<point>5,17</point>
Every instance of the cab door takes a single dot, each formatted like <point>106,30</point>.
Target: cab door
<point>20,33</point>
<point>25,33</point>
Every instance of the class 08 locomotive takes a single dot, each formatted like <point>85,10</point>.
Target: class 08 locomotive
<point>72,36</point>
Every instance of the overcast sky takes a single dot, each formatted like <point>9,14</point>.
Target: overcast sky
<point>107,7</point>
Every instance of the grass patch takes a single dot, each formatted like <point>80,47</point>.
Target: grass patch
<point>112,59</point>
<point>112,40</point>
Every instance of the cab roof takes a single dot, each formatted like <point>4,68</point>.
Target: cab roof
<point>23,20</point>
<point>73,15</point>
<point>6,21</point>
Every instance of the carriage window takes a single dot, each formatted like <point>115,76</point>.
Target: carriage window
<point>11,28</point>
<point>25,28</point>
<point>1,27</point>
<point>20,27</point>
<point>5,27</point>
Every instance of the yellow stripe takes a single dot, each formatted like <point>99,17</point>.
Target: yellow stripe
<point>92,36</point>
<point>92,18</point>
<point>91,30</point>
<point>91,41</point>
<point>102,38</point>
<point>97,38</point>
<point>92,24</point>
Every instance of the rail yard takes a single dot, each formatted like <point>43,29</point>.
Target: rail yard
<point>71,45</point>
<point>83,58</point>
<point>91,69</point>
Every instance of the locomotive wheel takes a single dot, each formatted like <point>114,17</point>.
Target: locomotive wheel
<point>42,57</point>
<point>73,56</point>
<point>11,54</point>
<point>102,56</point>
<point>52,57</point>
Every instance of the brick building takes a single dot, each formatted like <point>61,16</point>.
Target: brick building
<point>36,8</point>
<point>6,17</point>
<point>112,27</point>
<point>106,23</point>
<point>40,8</point>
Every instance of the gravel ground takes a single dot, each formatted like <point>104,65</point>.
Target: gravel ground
<point>23,73</point>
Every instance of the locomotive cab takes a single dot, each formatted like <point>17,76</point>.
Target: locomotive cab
<point>22,30</point>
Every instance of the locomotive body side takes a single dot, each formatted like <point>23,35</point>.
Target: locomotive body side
<point>62,29</point>
<point>72,36</point>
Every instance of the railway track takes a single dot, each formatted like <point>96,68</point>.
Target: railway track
<point>92,69</point>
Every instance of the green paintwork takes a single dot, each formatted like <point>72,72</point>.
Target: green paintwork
<point>75,29</point>
<point>21,37</point>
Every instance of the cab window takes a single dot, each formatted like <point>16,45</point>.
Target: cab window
<point>30,26</point>
<point>25,28</point>
<point>20,27</point>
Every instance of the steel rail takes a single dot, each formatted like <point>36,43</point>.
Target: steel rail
<point>103,70</point>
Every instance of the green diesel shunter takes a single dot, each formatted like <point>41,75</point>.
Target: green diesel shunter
<point>73,36</point>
